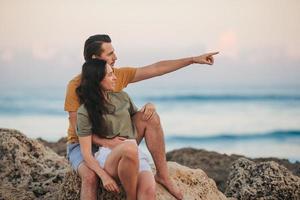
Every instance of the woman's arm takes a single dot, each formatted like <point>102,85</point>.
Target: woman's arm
<point>86,151</point>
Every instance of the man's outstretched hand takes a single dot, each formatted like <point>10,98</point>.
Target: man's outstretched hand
<point>205,58</point>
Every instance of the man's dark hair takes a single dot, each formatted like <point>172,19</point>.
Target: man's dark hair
<point>93,45</point>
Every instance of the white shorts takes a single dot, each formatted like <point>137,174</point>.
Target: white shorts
<point>103,152</point>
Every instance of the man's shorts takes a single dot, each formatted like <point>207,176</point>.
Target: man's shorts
<point>75,157</point>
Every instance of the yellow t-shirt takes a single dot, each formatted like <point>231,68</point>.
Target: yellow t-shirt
<point>124,76</point>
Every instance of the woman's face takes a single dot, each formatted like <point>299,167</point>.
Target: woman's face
<point>109,81</point>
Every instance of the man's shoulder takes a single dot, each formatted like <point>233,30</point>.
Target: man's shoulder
<point>124,69</point>
<point>125,75</point>
<point>75,81</point>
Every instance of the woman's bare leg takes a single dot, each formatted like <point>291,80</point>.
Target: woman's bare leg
<point>146,186</point>
<point>122,163</point>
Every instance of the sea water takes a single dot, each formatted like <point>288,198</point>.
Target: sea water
<point>253,122</point>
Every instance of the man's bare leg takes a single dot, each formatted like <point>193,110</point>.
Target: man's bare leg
<point>152,131</point>
<point>89,182</point>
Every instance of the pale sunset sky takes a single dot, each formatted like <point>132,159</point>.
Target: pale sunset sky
<point>41,42</point>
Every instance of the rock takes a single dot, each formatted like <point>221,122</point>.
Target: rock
<point>194,182</point>
<point>264,181</point>
<point>293,167</point>
<point>59,147</point>
<point>217,166</point>
<point>70,189</point>
<point>28,169</point>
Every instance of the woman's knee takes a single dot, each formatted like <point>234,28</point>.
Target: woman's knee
<point>130,150</point>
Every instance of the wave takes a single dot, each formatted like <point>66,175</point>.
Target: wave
<point>225,98</point>
<point>53,105</point>
<point>278,135</point>
<point>30,110</point>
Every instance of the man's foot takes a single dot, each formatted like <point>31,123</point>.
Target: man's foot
<point>172,189</point>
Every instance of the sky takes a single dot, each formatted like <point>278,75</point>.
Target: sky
<point>41,42</point>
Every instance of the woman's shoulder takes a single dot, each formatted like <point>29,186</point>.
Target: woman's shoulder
<point>120,94</point>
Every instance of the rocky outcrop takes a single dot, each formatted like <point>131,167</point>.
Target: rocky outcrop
<point>28,169</point>
<point>193,182</point>
<point>264,181</point>
<point>59,147</point>
<point>217,166</point>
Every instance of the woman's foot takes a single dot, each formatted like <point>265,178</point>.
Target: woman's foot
<point>172,189</point>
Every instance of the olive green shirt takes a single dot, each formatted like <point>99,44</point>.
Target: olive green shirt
<point>118,120</point>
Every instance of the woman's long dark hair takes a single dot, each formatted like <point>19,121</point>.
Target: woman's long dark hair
<point>90,94</point>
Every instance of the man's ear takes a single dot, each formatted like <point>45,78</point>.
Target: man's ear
<point>94,57</point>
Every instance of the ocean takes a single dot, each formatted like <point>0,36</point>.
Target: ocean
<point>253,122</point>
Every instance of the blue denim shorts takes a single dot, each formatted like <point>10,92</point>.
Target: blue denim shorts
<point>74,155</point>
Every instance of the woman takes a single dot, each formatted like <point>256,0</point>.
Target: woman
<point>108,115</point>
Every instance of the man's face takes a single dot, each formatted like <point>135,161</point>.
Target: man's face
<point>108,54</point>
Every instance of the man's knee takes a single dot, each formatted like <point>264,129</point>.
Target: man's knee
<point>138,117</point>
<point>88,176</point>
<point>155,120</point>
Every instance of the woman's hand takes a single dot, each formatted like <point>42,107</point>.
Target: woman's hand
<point>85,146</point>
<point>148,111</point>
<point>109,183</point>
<point>111,143</point>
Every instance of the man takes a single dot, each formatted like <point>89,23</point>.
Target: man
<point>146,121</point>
